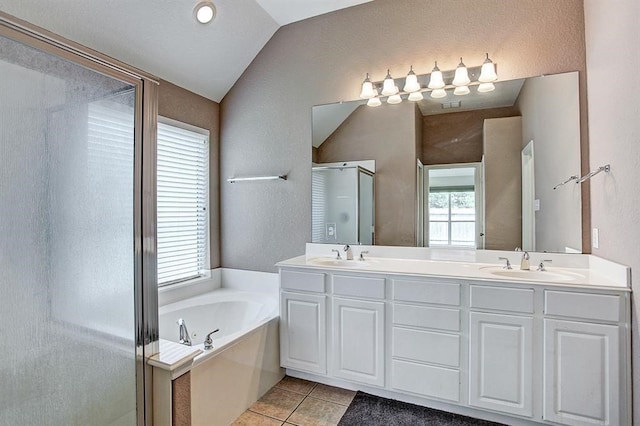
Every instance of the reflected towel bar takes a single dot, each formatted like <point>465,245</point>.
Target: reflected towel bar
<point>243,179</point>
<point>606,168</point>
<point>574,177</point>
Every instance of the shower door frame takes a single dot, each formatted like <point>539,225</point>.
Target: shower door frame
<point>144,210</point>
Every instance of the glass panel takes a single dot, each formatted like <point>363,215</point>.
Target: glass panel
<point>366,209</point>
<point>67,353</point>
<point>334,199</point>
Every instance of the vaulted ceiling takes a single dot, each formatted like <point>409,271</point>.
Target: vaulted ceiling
<point>163,38</point>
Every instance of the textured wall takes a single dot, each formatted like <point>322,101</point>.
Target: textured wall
<point>180,104</point>
<point>503,183</point>
<point>613,53</point>
<point>266,117</point>
<point>385,134</point>
<point>457,137</point>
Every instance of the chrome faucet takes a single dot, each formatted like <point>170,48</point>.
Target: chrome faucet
<point>184,333</point>
<point>337,252</point>
<point>508,264</point>
<point>541,267</point>
<point>349,252</point>
<point>208,343</point>
<point>362,253</point>
<point>524,263</point>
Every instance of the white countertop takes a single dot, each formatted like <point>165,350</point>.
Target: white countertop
<point>599,273</point>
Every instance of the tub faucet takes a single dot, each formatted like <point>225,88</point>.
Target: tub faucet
<point>348,252</point>
<point>524,263</point>
<point>184,333</point>
<point>208,343</point>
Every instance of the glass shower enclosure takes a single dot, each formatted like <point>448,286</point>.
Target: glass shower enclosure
<point>343,205</point>
<point>73,272</point>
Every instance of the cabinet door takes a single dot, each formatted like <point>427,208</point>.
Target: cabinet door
<point>581,374</point>
<point>501,366</point>
<point>358,341</point>
<point>303,341</point>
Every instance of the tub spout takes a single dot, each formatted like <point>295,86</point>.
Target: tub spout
<point>185,339</point>
<point>208,343</point>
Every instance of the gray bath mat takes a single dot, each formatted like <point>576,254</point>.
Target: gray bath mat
<point>371,410</point>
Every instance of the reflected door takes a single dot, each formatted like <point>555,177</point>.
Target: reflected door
<point>68,348</point>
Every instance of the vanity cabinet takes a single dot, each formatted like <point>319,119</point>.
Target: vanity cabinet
<point>582,359</point>
<point>524,352</point>
<point>303,329</point>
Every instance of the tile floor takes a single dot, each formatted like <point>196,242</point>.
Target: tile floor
<point>298,402</point>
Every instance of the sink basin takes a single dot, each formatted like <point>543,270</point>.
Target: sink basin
<point>548,275</point>
<point>341,263</point>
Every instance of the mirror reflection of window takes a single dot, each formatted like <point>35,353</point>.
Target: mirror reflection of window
<point>453,211</point>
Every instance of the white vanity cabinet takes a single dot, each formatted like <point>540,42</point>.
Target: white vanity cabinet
<point>513,352</point>
<point>501,349</point>
<point>303,326</point>
<point>582,359</point>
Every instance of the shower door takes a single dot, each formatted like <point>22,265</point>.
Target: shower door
<point>71,331</point>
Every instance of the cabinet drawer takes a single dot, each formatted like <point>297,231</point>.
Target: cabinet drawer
<point>426,316</point>
<point>427,380</point>
<point>426,292</point>
<point>603,307</point>
<point>426,346</point>
<point>502,298</point>
<point>303,281</point>
<point>367,287</point>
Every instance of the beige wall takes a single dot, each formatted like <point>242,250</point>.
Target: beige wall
<point>503,183</point>
<point>180,104</point>
<point>266,117</point>
<point>457,137</point>
<point>386,134</point>
<point>613,54</point>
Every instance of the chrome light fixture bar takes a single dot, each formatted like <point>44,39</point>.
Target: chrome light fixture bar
<point>459,79</point>
<point>254,178</point>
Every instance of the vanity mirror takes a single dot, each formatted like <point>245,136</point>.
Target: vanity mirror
<point>471,171</point>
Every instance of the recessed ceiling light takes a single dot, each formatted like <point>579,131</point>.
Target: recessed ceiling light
<point>205,11</point>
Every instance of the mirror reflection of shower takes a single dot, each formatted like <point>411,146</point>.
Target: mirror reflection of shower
<point>343,202</point>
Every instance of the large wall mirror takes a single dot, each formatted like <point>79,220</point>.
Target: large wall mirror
<point>481,170</point>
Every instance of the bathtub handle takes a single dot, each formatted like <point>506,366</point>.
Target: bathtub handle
<point>208,343</point>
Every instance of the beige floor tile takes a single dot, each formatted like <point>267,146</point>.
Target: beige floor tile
<point>277,403</point>
<point>315,412</point>
<point>296,385</point>
<point>249,418</point>
<point>333,394</point>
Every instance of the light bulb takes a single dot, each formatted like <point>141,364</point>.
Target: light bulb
<point>367,88</point>
<point>462,76</point>
<point>205,11</point>
<point>415,96</point>
<point>411,82</point>
<point>435,80</point>
<point>488,71</point>
<point>374,102</point>
<point>486,87</point>
<point>461,90</point>
<point>389,86</point>
<point>394,99</point>
<point>438,93</point>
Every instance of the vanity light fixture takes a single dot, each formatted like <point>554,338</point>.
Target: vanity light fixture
<point>459,80</point>
<point>462,75</point>
<point>204,12</point>
<point>488,72</point>
<point>389,85</point>
<point>411,82</point>
<point>435,80</point>
<point>367,88</point>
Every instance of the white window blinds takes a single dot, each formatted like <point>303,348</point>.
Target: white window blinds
<point>183,176</point>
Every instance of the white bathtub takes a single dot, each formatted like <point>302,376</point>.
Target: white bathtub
<point>235,313</point>
<point>245,361</point>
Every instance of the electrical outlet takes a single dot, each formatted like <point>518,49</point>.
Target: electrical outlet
<point>595,238</point>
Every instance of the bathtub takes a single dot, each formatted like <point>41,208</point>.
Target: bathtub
<point>245,360</point>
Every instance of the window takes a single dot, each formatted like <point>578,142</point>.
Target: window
<point>452,218</point>
<point>183,193</point>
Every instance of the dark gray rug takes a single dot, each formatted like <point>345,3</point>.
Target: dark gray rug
<point>372,410</point>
